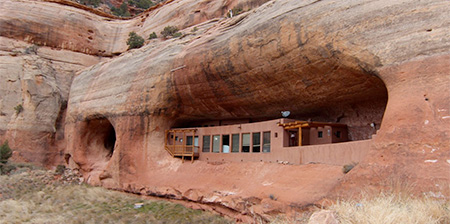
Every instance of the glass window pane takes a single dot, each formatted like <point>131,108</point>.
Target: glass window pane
<point>246,142</point>
<point>196,141</point>
<point>256,142</point>
<point>188,140</point>
<point>266,141</point>
<point>235,143</point>
<point>206,143</point>
<point>226,143</point>
<point>216,143</point>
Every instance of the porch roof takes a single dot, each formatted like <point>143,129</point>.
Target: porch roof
<point>305,124</point>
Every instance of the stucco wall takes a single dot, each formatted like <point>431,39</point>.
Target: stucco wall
<point>336,153</point>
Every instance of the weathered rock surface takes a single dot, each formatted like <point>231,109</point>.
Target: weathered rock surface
<point>358,62</point>
<point>53,23</point>
<point>36,79</point>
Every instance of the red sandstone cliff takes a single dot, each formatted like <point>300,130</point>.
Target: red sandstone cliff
<point>358,62</point>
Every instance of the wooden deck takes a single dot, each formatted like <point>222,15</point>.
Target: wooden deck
<point>182,150</point>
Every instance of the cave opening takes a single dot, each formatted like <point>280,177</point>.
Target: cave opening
<point>110,140</point>
<point>100,140</point>
<point>339,89</point>
<point>359,105</point>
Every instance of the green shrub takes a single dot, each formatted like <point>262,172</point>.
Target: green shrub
<point>122,11</point>
<point>93,3</point>
<point>134,41</point>
<point>169,31</point>
<point>194,29</point>
<point>152,36</point>
<point>5,154</point>
<point>143,4</point>
<point>18,109</point>
<point>177,34</point>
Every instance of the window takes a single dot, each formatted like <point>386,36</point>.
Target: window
<point>338,134</point>
<point>188,140</point>
<point>216,143</point>
<point>246,142</point>
<point>256,142</point>
<point>196,144</point>
<point>206,143</point>
<point>266,141</point>
<point>320,134</point>
<point>235,143</point>
<point>226,143</point>
<point>196,141</point>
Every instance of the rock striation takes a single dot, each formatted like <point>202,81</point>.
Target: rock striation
<point>385,63</point>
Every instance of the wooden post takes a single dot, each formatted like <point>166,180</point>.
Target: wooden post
<point>300,136</point>
<point>183,149</point>
<point>174,143</point>
<point>193,146</point>
<point>193,142</point>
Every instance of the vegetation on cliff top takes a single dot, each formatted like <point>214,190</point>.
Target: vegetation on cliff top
<point>134,41</point>
<point>170,31</point>
<point>126,8</point>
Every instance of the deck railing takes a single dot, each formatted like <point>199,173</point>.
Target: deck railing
<point>178,150</point>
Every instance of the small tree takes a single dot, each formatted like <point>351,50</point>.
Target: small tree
<point>143,4</point>
<point>5,154</point>
<point>134,41</point>
<point>169,31</point>
<point>152,36</point>
<point>93,3</point>
<point>122,11</point>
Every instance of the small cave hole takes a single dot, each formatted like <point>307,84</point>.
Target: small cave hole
<point>110,140</point>
<point>101,139</point>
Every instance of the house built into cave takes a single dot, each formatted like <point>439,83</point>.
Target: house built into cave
<point>280,140</point>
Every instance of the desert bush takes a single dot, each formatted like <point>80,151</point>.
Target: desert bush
<point>5,154</point>
<point>18,108</point>
<point>143,4</point>
<point>93,3</point>
<point>152,36</point>
<point>122,11</point>
<point>170,31</point>
<point>134,41</point>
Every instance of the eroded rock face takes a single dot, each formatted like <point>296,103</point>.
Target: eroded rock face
<point>384,63</point>
<point>301,56</point>
<point>39,41</point>
<point>33,98</point>
<point>53,23</point>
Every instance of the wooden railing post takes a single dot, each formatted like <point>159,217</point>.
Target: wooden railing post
<point>300,136</point>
